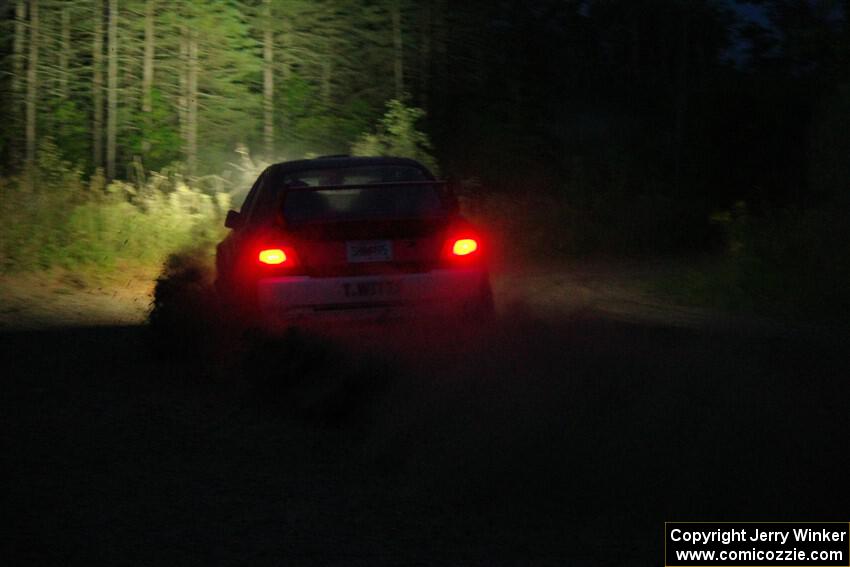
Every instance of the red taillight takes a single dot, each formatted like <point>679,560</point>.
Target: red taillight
<point>464,246</point>
<point>272,256</point>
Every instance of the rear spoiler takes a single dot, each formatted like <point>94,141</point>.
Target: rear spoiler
<point>362,185</point>
<point>444,187</point>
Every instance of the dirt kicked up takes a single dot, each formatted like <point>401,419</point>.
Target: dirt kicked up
<point>551,437</point>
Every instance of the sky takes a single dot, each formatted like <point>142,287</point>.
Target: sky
<point>750,12</point>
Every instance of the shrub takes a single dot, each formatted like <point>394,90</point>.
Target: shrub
<point>54,219</point>
<point>397,135</point>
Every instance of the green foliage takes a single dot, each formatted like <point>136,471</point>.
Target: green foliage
<point>310,127</point>
<point>397,135</point>
<point>156,138</point>
<point>56,220</point>
<point>70,129</point>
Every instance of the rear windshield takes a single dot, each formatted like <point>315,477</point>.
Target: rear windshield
<point>405,200</point>
<point>360,203</point>
<point>359,175</point>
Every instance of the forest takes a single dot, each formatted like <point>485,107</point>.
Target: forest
<point>576,128</point>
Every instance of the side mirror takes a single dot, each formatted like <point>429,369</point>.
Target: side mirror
<point>233,220</point>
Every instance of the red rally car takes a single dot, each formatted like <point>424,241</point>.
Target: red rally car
<point>344,237</point>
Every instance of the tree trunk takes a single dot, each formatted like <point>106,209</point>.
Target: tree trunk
<point>147,70</point>
<point>285,66</point>
<point>192,111</point>
<point>681,101</point>
<point>440,51</point>
<point>112,90</point>
<point>97,86</point>
<point>17,74</point>
<point>327,73</point>
<point>268,81</point>
<point>183,98</point>
<point>32,81</point>
<point>64,52</point>
<point>425,55</point>
<point>286,41</point>
<point>398,50</point>
<point>636,47</point>
<point>846,10</point>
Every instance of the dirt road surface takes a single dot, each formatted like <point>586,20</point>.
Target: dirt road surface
<point>564,434</point>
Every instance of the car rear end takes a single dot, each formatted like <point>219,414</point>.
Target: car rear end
<point>368,252</point>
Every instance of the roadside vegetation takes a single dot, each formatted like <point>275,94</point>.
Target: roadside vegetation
<point>61,219</point>
<point>57,219</point>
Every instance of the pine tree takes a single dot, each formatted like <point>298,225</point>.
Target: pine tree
<point>18,45</point>
<point>64,51</point>
<point>97,85</point>
<point>148,68</point>
<point>113,81</point>
<point>398,49</point>
<point>112,90</point>
<point>32,81</point>
<point>268,79</point>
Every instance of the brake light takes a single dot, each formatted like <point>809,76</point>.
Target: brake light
<point>464,246</point>
<point>272,256</point>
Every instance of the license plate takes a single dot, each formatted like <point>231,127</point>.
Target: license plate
<point>368,289</point>
<point>369,251</point>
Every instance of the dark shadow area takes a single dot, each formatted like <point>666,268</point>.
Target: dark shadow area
<point>542,442</point>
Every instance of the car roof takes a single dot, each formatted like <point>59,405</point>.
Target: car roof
<point>333,162</point>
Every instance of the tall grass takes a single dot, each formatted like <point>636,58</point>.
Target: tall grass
<point>54,218</point>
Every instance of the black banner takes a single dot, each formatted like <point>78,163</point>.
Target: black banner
<point>757,544</point>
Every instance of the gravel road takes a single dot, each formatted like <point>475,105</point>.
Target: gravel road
<point>564,434</point>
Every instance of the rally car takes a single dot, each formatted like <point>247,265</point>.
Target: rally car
<point>340,238</point>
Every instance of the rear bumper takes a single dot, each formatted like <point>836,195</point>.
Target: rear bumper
<point>292,299</point>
